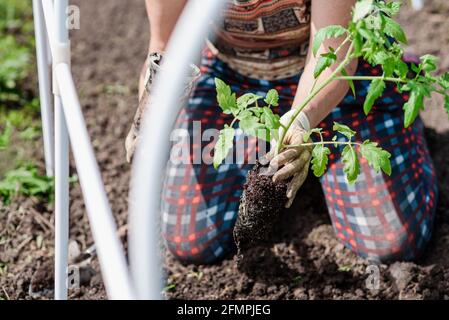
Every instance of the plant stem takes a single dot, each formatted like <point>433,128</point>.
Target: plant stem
<point>336,51</point>
<point>312,95</point>
<point>311,144</point>
<point>342,44</point>
<point>359,78</point>
<point>314,85</point>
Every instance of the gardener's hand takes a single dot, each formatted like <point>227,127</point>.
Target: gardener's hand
<point>151,67</point>
<point>132,139</point>
<point>291,162</point>
<point>153,62</point>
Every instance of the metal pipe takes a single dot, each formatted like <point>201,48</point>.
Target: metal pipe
<point>112,260</point>
<point>153,149</point>
<point>61,37</point>
<point>49,15</point>
<point>44,86</point>
<point>61,201</point>
<point>418,4</point>
<point>110,251</point>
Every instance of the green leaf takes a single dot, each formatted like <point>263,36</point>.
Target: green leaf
<point>320,158</point>
<point>368,35</point>
<point>415,68</point>
<point>244,113</point>
<point>375,90</point>
<point>221,87</point>
<point>344,268</point>
<point>27,181</point>
<point>325,61</point>
<point>249,123</point>
<point>251,126</point>
<point>247,100</point>
<point>29,133</point>
<point>377,158</point>
<point>401,69</point>
<point>350,82</point>
<point>351,165</point>
<point>388,67</point>
<point>374,22</point>
<point>5,136</point>
<point>272,98</point>
<point>362,9</point>
<point>446,103</point>
<point>306,136</point>
<point>392,8</point>
<point>412,107</point>
<point>272,121</point>
<point>257,111</point>
<point>357,39</point>
<point>334,139</point>
<point>344,130</point>
<point>443,80</point>
<point>224,144</point>
<point>381,57</point>
<point>428,62</point>
<point>225,98</point>
<point>263,133</point>
<point>394,30</point>
<point>332,31</point>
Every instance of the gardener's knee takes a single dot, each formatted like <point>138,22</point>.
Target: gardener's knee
<point>201,237</point>
<point>198,248</point>
<point>198,232</point>
<point>408,244</point>
<point>403,248</point>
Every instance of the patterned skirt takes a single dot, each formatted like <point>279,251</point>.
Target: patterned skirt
<point>380,217</point>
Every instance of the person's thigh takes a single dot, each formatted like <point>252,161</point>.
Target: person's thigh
<point>382,217</point>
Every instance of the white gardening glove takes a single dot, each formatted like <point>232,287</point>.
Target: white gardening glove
<point>291,162</point>
<point>153,66</point>
<point>132,139</point>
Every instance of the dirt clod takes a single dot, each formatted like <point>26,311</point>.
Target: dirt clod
<point>401,274</point>
<point>261,206</point>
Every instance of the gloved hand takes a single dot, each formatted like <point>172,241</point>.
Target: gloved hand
<point>153,62</point>
<point>132,139</point>
<point>291,162</point>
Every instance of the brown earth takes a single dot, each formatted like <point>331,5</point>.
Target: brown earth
<point>305,260</point>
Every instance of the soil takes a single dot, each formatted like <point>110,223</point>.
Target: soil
<point>303,260</point>
<point>261,206</point>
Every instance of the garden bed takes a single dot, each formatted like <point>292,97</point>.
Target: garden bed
<point>304,261</point>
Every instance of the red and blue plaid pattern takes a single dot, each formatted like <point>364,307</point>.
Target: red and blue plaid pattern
<point>379,217</point>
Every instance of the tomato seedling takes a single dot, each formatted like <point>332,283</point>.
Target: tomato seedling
<point>372,35</point>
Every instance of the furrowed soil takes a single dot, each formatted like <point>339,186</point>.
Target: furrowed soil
<point>304,259</point>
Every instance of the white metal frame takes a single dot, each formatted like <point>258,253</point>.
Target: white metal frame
<point>418,4</point>
<point>51,23</point>
<point>53,50</point>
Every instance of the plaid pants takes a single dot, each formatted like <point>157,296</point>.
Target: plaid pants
<point>380,217</point>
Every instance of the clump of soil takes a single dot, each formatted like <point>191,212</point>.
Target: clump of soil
<point>261,205</point>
